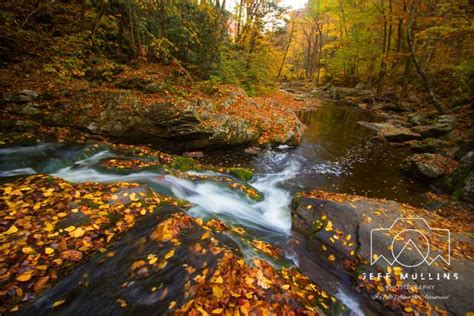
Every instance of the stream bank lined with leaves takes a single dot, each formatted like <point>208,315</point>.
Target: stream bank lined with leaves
<point>145,231</point>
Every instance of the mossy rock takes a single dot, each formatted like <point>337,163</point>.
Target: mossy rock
<point>183,163</point>
<point>241,173</point>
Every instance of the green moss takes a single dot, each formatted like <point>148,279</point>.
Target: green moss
<point>183,163</point>
<point>241,173</point>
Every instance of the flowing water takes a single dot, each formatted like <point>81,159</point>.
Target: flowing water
<point>336,154</point>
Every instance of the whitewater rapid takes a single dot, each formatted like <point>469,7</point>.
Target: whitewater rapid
<point>208,198</point>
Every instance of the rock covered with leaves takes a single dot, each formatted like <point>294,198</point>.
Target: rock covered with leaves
<point>338,227</point>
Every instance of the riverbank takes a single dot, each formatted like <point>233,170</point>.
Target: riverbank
<point>441,144</point>
<point>144,104</point>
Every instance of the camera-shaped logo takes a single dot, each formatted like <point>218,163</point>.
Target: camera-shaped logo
<point>410,243</point>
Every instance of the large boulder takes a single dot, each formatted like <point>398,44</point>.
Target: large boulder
<point>429,166</point>
<point>391,132</point>
<point>357,236</point>
<point>128,117</point>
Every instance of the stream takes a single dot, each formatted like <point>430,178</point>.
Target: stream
<point>336,155</point>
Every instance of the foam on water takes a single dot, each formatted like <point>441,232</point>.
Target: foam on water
<point>272,213</point>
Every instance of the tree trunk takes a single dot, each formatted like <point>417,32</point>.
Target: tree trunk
<point>287,47</point>
<point>434,101</point>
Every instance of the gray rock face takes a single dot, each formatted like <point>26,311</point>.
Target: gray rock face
<point>125,117</point>
<point>337,228</point>
<point>441,126</point>
<point>141,84</point>
<point>468,190</point>
<point>23,96</point>
<point>427,145</point>
<point>430,166</point>
<point>415,119</point>
<point>463,178</point>
<point>391,132</point>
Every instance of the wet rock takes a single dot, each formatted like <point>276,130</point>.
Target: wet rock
<point>391,132</point>
<point>241,173</point>
<point>441,126</point>
<point>429,166</point>
<point>427,145</point>
<point>339,229</point>
<point>463,178</point>
<point>253,150</point>
<point>194,154</point>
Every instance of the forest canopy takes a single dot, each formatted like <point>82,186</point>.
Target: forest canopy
<point>400,46</point>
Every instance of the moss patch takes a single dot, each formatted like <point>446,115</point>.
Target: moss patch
<point>241,173</point>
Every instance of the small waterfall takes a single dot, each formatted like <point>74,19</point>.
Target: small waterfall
<point>271,214</point>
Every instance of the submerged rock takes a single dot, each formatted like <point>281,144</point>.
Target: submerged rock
<point>391,132</point>
<point>354,235</point>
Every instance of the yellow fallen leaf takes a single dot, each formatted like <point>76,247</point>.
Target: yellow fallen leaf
<point>60,302</point>
<point>77,233</point>
<point>27,250</point>
<point>408,309</point>
<point>49,227</point>
<point>121,303</point>
<point>219,280</point>
<point>285,286</point>
<point>25,276</point>
<point>48,250</point>
<point>13,229</point>
<point>328,226</point>
<point>169,254</point>
<point>217,311</point>
<point>331,258</point>
<point>69,229</point>
<point>129,218</point>
<point>249,280</point>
